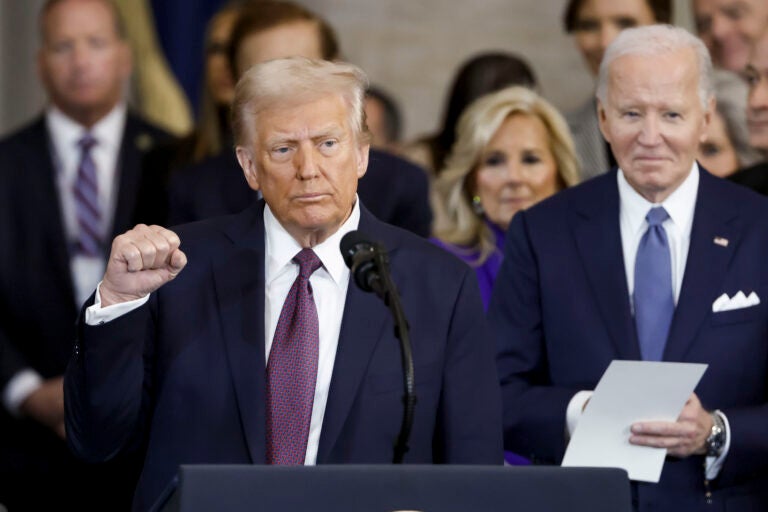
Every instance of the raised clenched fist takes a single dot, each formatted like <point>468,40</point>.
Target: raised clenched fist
<point>141,261</point>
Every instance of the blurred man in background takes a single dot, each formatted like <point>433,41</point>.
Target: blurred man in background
<point>68,183</point>
<point>756,74</point>
<point>729,28</point>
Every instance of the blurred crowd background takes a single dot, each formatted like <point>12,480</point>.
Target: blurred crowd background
<point>410,49</point>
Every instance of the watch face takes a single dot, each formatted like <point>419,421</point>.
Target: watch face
<point>716,439</point>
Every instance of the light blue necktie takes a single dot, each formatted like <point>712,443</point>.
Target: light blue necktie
<point>653,300</point>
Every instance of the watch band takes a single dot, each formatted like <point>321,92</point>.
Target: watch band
<point>715,442</point>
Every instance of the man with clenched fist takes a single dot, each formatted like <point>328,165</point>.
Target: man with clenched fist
<point>239,340</point>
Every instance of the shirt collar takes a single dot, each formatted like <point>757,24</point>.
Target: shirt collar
<point>679,205</point>
<point>108,131</point>
<point>281,247</point>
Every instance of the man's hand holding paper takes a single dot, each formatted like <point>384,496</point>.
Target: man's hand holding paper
<point>681,438</point>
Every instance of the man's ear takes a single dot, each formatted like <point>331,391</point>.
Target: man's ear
<point>707,118</point>
<point>247,163</point>
<point>126,60</point>
<point>602,119</point>
<point>362,159</point>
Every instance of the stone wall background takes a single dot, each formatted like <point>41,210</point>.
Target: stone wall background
<point>411,48</point>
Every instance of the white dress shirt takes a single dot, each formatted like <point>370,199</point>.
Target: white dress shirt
<point>86,271</point>
<point>632,211</point>
<point>65,134</point>
<point>329,285</point>
<point>633,208</point>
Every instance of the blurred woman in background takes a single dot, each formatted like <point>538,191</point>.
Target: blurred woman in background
<point>211,134</point>
<point>513,149</point>
<point>478,76</point>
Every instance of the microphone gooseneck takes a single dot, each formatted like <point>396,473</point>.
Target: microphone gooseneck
<point>369,264</point>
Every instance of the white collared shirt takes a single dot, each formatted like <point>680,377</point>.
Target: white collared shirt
<point>329,285</point>
<point>65,134</point>
<point>632,211</point>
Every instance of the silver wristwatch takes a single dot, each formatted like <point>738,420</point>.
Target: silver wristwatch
<point>716,440</point>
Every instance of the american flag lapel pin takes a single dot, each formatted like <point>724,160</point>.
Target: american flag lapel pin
<point>722,242</point>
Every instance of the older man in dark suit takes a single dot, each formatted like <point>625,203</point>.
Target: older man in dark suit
<point>656,261</point>
<point>68,183</point>
<point>260,350</point>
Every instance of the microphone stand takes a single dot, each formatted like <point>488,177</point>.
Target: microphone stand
<point>385,288</point>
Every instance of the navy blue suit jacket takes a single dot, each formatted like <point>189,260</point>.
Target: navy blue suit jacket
<point>37,303</point>
<point>185,373</point>
<point>393,189</point>
<point>561,312</point>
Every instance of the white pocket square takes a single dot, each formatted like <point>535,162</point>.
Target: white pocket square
<point>738,301</point>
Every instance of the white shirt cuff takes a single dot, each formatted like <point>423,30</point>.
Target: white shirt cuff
<point>21,385</point>
<point>713,465</point>
<point>97,315</point>
<point>575,408</point>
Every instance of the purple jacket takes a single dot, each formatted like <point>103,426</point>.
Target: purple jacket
<point>487,271</point>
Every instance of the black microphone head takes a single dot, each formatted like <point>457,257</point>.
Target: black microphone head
<point>363,258</point>
<point>352,243</point>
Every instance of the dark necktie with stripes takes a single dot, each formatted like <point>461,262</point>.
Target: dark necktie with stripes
<point>87,208</point>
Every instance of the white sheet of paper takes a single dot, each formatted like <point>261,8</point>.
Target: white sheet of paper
<point>631,391</point>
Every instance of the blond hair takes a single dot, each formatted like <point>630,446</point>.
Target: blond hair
<point>456,221</point>
<point>297,79</point>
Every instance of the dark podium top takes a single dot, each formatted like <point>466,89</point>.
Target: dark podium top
<point>394,488</point>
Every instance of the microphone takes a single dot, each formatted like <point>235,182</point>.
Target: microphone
<point>364,259</point>
<point>369,264</point>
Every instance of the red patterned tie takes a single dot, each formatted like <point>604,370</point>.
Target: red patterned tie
<point>292,369</point>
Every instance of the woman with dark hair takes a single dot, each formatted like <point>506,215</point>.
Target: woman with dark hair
<point>594,24</point>
<point>478,76</point>
<point>211,134</point>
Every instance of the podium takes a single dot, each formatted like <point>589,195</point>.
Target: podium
<point>388,488</point>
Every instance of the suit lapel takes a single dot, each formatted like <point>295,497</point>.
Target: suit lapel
<point>240,288</point>
<point>136,140</point>
<point>705,266</point>
<point>362,327</point>
<point>598,240</point>
<point>239,282</point>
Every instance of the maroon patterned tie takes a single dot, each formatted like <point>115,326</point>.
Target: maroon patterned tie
<point>292,369</point>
